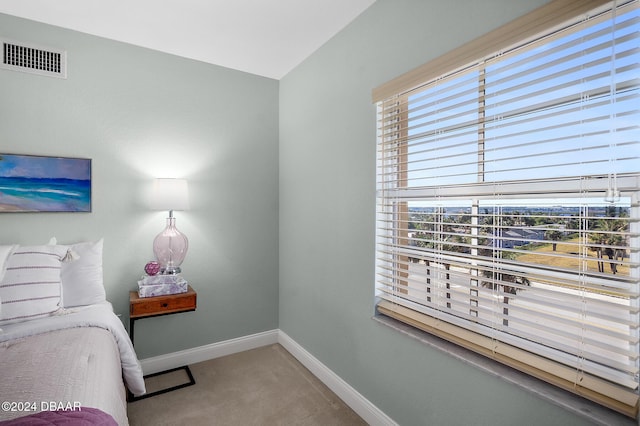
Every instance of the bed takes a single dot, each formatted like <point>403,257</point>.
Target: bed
<point>65,357</point>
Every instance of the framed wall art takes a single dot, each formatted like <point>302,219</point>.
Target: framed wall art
<point>33,183</point>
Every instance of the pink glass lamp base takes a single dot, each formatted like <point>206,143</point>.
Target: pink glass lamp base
<point>170,248</point>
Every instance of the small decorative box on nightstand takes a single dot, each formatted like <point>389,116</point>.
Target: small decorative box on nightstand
<point>159,285</point>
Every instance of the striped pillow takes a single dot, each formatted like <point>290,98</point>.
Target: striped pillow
<point>31,284</point>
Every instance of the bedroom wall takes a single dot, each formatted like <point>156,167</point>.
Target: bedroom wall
<point>327,201</point>
<point>140,114</point>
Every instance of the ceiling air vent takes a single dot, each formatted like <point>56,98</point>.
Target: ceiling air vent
<point>33,59</point>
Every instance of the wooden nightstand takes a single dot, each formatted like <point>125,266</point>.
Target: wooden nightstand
<point>148,307</point>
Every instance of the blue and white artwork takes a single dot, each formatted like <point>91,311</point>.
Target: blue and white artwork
<point>30,183</point>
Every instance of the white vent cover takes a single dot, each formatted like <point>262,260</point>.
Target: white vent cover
<point>33,59</point>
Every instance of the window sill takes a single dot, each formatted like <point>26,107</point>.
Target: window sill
<point>573,403</point>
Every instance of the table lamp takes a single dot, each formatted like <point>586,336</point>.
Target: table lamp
<point>170,246</point>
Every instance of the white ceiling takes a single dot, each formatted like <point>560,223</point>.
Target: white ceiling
<point>264,37</point>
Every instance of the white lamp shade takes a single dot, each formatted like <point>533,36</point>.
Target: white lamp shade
<point>170,194</point>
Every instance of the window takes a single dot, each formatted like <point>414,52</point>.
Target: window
<point>508,202</point>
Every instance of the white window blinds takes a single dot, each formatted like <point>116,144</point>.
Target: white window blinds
<point>508,215</point>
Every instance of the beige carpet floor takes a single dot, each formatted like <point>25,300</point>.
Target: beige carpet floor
<point>264,386</point>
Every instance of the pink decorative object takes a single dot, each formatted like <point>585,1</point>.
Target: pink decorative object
<point>152,268</point>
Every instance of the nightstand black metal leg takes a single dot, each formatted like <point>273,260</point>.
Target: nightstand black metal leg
<point>191,382</point>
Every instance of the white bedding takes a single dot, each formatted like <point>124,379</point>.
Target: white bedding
<point>90,324</point>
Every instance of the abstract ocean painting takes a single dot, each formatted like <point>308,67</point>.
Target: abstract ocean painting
<point>31,183</point>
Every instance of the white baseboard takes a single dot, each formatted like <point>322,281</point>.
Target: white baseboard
<point>207,352</point>
<point>358,403</point>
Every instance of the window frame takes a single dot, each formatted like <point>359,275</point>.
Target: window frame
<point>432,325</point>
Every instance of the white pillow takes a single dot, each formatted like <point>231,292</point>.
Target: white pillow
<point>31,284</point>
<point>82,282</point>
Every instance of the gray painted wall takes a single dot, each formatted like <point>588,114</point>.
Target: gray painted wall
<point>327,202</point>
<point>140,114</point>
